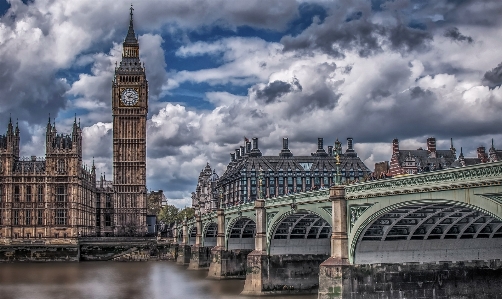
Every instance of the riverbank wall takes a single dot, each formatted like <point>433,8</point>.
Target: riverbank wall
<point>97,249</point>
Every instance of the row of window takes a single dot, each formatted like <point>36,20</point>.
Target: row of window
<point>40,235</point>
<point>60,219</point>
<point>35,194</point>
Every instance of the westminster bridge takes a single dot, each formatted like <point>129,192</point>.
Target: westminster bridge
<point>429,235</point>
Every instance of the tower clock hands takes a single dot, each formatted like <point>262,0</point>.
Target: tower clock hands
<point>129,97</point>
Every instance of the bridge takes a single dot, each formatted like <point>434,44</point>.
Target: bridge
<point>436,234</point>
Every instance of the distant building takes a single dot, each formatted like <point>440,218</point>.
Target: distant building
<point>206,197</point>
<point>381,169</point>
<point>282,174</point>
<point>50,197</point>
<point>493,155</point>
<point>405,161</point>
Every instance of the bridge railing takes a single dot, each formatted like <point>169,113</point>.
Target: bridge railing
<point>450,178</point>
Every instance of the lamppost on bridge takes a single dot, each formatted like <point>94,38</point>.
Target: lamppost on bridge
<point>338,175</point>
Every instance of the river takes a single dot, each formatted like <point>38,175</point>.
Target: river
<point>107,280</point>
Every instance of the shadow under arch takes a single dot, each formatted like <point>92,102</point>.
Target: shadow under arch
<point>299,232</point>
<point>209,233</point>
<point>240,233</point>
<point>426,231</point>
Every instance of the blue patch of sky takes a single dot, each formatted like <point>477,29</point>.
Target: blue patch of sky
<point>193,94</point>
<point>4,6</point>
<point>416,24</point>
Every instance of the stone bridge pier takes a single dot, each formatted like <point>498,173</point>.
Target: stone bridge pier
<point>228,262</point>
<point>200,254</point>
<point>184,250</point>
<point>286,256</point>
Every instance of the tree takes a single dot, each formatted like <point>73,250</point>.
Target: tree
<point>186,213</point>
<point>168,214</point>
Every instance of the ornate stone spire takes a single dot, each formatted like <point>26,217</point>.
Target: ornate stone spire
<point>131,36</point>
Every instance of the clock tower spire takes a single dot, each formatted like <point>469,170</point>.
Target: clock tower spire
<point>129,109</point>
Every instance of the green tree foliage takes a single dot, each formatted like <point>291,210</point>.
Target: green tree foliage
<point>170,214</point>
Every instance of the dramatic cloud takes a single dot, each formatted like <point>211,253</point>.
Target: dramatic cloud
<point>221,70</point>
<point>493,78</point>
<point>455,35</point>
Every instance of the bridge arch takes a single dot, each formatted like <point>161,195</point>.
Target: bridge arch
<point>240,233</point>
<point>426,231</point>
<point>209,233</point>
<point>301,231</point>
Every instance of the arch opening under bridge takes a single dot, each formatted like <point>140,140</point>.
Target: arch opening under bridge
<point>300,232</point>
<point>429,231</point>
<point>241,233</point>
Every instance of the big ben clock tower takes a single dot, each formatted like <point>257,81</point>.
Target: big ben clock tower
<point>129,109</point>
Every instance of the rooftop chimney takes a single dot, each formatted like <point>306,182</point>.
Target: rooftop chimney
<point>285,144</point>
<point>255,152</point>
<point>431,144</point>
<point>285,152</point>
<point>320,148</point>
<point>350,149</point>
<point>232,157</point>
<point>237,153</point>
<point>349,144</point>
<point>395,146</point>
<point>330,150</point>
<point>243,151</point>
<point>248,147</point>
<point>255,143</point>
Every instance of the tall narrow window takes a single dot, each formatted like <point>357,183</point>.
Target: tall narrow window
<point>108,201</point>
<point>40,217</point>
<point>60,216</point>
<point>61,193</point>
<point>1,193</point>
<point>27,220</point>
<point>16,217</point>
<point>108,220</point>
<point>28,193</point>
<point>40,193</point>
<point>16,193</point>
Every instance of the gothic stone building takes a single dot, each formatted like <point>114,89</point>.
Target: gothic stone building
<point>57,197</point>
<point>281,175</point>
<point>46,198</point>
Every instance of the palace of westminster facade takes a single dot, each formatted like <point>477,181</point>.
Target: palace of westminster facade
<point>57,197</point>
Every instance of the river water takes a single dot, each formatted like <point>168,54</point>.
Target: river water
<point>107,280</point>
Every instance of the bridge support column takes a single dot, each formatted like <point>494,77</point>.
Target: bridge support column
<point>200,256</point>
<point>336,270</point>
<point>184,247</point>
<point>257,260</point>
<point>225,264</point>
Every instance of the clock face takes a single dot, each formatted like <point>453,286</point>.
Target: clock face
<point>129,97</point>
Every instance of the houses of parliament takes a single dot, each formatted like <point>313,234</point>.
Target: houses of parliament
<point>56,197</point>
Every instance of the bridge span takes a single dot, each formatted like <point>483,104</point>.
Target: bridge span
<point>429,235</point>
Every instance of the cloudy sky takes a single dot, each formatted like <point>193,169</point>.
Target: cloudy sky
<point>220,70</point>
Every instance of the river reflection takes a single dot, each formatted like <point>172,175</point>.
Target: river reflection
<point>100,280</point>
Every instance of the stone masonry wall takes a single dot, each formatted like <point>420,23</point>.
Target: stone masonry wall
<point>39,253</point>
<point>461,280</point>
